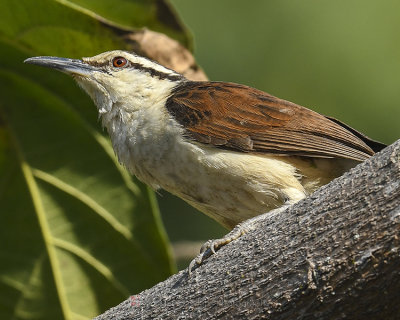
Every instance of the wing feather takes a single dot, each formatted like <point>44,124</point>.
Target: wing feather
<point>241,118</point>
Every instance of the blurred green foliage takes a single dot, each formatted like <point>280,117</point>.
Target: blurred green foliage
<point>340,58</point>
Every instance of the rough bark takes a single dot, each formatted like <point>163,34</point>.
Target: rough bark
<point>334,255</point>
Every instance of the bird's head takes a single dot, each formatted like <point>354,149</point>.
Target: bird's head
<point>115,76</point>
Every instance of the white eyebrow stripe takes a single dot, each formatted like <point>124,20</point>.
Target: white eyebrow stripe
<point>150,64</point>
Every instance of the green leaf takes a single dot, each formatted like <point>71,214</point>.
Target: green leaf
<point>155,15</point>
<point>77,234</point>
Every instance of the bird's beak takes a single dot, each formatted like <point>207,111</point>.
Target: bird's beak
<point>69,66</point>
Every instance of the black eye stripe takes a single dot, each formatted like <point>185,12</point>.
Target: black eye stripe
<point>156,73</point>
<point>130,65</point>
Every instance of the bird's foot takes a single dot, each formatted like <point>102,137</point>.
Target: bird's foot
<point>211,246</point>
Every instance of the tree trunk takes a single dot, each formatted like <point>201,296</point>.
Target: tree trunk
<point>333,255</point>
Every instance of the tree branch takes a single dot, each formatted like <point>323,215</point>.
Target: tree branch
<point>334,255</point>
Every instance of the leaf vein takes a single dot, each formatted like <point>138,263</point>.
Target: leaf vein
<point>84,198</point>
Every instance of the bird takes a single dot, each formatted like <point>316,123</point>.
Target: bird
<point>231,151</point>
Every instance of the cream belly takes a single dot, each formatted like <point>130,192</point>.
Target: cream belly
<point>230,186</point>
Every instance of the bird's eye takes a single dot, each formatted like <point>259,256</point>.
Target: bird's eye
<point>119,62</point>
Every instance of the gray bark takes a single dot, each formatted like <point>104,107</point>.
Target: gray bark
<point>334,255</point>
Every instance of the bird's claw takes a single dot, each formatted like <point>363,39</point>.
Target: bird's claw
<point>211,246</point>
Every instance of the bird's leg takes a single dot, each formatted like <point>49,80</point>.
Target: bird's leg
<point>211,246</point>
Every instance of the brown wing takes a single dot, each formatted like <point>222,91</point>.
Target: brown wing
<point>241,118</point>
